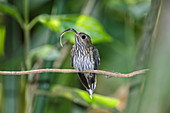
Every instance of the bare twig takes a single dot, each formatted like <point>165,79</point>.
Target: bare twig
<point>110,74</point>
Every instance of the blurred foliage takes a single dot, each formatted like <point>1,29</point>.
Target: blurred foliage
<point>2,38</point>
<point>82,97</point>
<point>115,27</point>
<point>46,52</point>
<point>156,91</point>
<point>81,23</point>
<point>12,11</point>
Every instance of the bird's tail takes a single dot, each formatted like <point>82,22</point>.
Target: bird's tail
<point>89,82</point>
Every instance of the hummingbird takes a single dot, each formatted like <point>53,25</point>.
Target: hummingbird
<point>84,56</point>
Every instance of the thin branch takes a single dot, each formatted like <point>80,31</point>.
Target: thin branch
<point>109,74</point>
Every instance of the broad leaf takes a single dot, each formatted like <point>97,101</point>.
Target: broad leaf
<point>46,52</point>
<point>12,11</point>
<point>82,97</point>
<point>81,23</point>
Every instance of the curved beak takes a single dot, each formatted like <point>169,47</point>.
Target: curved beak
<point>70,29</point>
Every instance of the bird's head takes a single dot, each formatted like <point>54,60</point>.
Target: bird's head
<point>80,37</point>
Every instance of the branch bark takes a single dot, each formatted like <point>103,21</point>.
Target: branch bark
<point>108,74</point>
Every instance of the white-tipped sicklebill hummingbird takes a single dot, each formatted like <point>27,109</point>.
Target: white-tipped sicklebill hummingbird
<point>84,56</point>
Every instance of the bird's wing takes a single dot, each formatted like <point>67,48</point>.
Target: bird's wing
<point>96,57</point>
<point>84,80</point>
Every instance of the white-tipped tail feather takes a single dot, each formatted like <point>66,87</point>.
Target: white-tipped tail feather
<point>90,91</point>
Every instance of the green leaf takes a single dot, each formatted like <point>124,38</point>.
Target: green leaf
<point>46,52</point>
<point>81,23</point>
<point>12,11</point>
<point>82,97</point>
<point>2,39</point>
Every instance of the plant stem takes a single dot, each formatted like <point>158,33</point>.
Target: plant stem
<point>33,22</point>
<point>27,47</point>
<point>26,40</point>
<point>27,35</point>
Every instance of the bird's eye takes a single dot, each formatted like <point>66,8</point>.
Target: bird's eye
<point>83,37</point>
